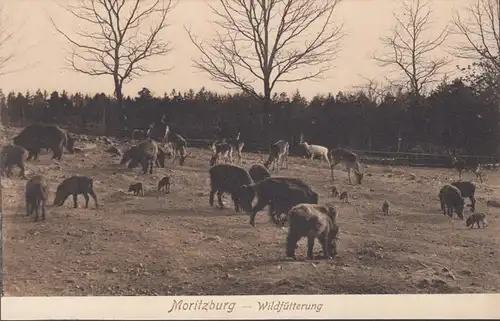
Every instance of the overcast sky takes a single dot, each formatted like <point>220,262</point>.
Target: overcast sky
<point>44,50</point>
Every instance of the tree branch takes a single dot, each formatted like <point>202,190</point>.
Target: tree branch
<point>269,41</point>
<point>410,51</point>
<point>117,44</point>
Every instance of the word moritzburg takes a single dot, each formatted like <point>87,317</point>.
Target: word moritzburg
<point>202,305</point>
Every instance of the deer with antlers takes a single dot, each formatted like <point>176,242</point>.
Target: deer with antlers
<point>237,145</point>
<point>277,156</point>
<point>349,159</point>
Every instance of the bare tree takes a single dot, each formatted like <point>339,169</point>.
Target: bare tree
<point>114,42</point>
<point>481,34</point>
<point>6,37</point>
<point>411,51</point>
<point>269,41</point>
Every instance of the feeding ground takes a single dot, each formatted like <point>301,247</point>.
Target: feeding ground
<point>176,244</point>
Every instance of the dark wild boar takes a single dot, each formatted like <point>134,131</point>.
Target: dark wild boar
<point>10,156</point>
<point>35,196</point>
<point>280,193</point>
<point>227,178</point>
<point>313,221</point>
<point>75,185</point>
<point>37,136</point>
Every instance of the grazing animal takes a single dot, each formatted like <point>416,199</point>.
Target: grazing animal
<point>313,221</point>
<point>344,196</point>
<point>349,159</point>
<point>462,166</point>
<point>476,218</point>
<point>178,145</point>
<point>224,150</point>
<point>451,200</point>
<point>37,136</point>
<point>280,193</point>
<point>237,146</point>
<point>164,184</point>
<point>35,195</point>
<point>385,208</point>
<point>136,188</point>
<point>468,190</point>
<point>227,178</point>
<point>13,155</point>
<point>335,191</point>
<point>259,172</point>
<point>278,155</point>
<point>144,153</point>
<point>75,185</point>
<point>317,150</point>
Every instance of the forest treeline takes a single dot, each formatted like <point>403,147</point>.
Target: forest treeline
<point>454,116</point>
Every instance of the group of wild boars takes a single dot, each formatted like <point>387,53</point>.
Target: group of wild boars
<point>313,221</point>
<point>280,193</point>
<point>36,193</point>
<point>144,153</point>
<point>75,185</point>
<point>13,155</point>
<point>37,136</point>
<point>451,200</point>
<point>259,172</point>
<point>227,178</point>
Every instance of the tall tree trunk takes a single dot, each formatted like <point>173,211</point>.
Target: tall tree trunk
<point>267,112</point>
<point>114,120</point>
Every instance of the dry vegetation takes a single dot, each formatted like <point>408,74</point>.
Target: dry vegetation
<point>178,245</point>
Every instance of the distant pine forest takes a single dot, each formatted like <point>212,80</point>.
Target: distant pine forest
<point>456,117</point>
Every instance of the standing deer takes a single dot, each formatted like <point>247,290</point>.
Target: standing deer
<point>237,146</point>
<point>178,145</point>
<point>224,150</point>
<point>278,155</point>
<point>348,158</point>
<point>462,166</point>
<point>317,150</point>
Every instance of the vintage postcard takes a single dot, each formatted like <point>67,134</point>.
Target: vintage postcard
<point>249,159</point>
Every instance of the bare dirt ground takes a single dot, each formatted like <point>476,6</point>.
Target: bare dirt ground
<point>178,245</point>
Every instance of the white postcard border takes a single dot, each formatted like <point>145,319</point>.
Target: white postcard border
<point>418,306</point>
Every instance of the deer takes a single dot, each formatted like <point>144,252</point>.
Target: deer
<point>237,146</point>
<point>221,149</point>
<point>277,156</point>
<point>317,150</point>
<point>346,157</point>
<point>178,145</point>
<point>462,166</point>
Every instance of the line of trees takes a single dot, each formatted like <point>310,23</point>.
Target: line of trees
<point>455,116</point>
<point>260,43</point>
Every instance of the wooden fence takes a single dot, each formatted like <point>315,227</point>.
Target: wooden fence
<point>378,157</point>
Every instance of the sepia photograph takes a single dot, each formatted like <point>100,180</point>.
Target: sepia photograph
<point>249,147</point>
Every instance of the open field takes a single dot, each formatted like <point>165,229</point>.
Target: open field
<point>178,245</point>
